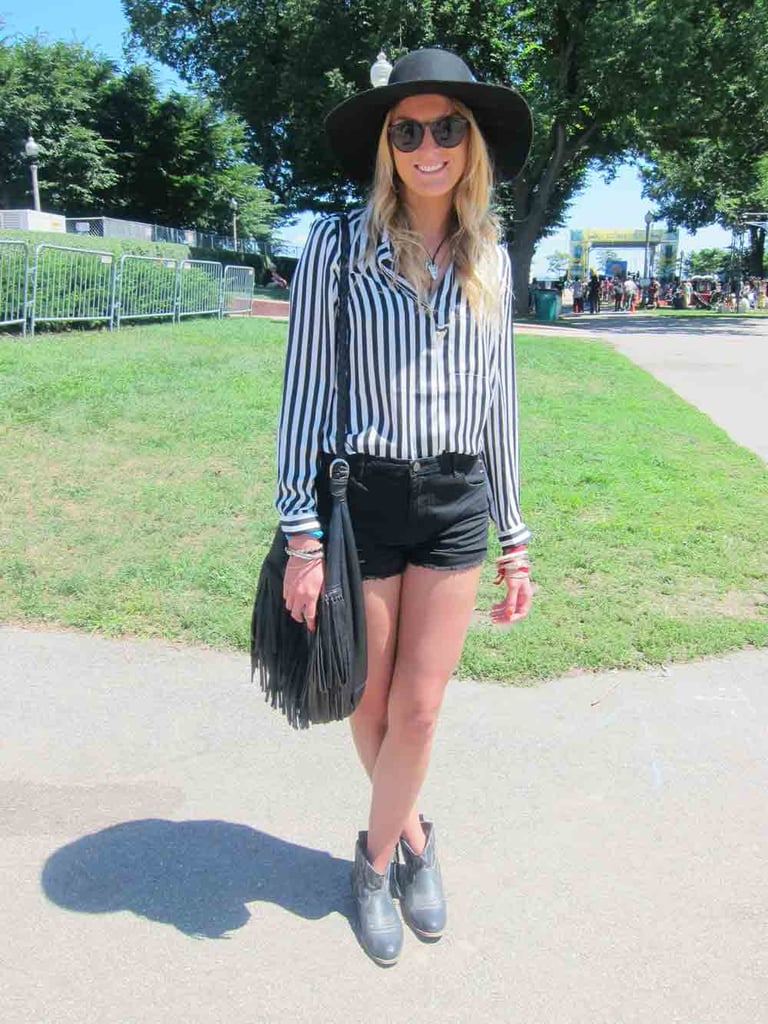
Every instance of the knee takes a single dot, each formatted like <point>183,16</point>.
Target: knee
<point>372,709</point>
<point>415,721</point>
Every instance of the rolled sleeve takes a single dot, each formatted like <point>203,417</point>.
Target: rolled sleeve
<point>501,436</point>
<point>310,372</point>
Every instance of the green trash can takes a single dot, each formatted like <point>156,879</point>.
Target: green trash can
<point>547,304</point>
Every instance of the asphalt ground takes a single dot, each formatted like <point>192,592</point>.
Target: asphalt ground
<point>172,852</point>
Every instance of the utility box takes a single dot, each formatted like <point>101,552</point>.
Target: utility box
<point>32,220</point>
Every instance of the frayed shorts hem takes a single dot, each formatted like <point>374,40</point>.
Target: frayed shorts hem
<point>423,565</point>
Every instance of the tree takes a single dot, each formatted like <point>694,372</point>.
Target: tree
<point>704,184</point>
<point>179,158</point>
<point>47,90</point>
<point>558,263</point>
<point>707,261</point>
<point>717,169</point>
<point>110,143</point>
<point>604,80</point>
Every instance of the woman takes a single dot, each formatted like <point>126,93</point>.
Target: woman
<point>431,439</point>
<point>594,293</point>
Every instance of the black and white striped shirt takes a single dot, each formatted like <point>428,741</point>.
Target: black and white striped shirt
<point>425,378</point>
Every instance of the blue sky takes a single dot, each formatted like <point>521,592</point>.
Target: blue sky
<point>100,24</point>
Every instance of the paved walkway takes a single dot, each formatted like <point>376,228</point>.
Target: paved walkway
<point>172,852</point>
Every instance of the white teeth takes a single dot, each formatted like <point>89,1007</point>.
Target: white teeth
<point>431,168</point>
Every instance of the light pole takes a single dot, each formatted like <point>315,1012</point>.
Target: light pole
<point>32,152</point>
<point>380,71</point>
<point>233,207</point>
<point>648,222</point>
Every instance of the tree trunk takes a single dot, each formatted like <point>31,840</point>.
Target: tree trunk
<point>529,219</point>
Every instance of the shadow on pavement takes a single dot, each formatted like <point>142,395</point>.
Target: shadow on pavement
<point>195,875</point>
<point>638,323</point>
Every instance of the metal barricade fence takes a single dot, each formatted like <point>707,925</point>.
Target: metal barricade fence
<point>72,285</point>
<point>237,292</point>
<point>60,284</point>
<point>199,287</point>
<point>147,286</point>
<point>14,283</point>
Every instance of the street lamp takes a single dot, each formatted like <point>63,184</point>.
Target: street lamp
<point>380,71</point>
<point>32,152</point>
<point>648,222</point>
<point>233,207</point>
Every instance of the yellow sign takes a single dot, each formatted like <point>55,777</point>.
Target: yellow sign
<point>662,248</point>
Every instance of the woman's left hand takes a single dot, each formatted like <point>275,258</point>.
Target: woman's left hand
<point>517,603</point>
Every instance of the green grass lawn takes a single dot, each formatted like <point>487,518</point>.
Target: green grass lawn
<point>708,314</point>
<point>137,475</point>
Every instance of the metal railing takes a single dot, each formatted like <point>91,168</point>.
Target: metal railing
<point>237,294</point>
<point>14,283</point>
<point>60,285</point>
<point>199,288</point>
<point>147,286</point>
<point>72,285</point>
<point>115,227</point>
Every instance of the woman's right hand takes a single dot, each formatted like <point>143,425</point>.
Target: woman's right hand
<point>303,582</point>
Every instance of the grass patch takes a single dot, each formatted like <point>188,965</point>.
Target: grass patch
<point>707,314</point>
<point>138,476</point>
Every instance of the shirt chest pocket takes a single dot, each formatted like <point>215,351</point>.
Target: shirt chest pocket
<point>466,353</point>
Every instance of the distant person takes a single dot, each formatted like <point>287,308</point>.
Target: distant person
<point>594,293</point>
<point>630,294</point>
<point>618,293</point>
<point>653,293</point>
<point>578,296</point>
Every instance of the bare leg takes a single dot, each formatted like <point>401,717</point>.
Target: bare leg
<point>435,610</point>
<point>369,720</point>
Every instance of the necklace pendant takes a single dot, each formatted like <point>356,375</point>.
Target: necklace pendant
<point>433,269</point>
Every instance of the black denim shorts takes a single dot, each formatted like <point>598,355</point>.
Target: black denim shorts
<point>431,512</point>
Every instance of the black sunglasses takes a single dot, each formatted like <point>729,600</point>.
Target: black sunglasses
<point>407,135</point>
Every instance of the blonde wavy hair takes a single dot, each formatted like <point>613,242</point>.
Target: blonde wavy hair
<point>475,233</point>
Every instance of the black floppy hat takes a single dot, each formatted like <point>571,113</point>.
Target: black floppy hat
<point>502,114</point>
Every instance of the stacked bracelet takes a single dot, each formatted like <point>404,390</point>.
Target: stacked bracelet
<point>515,565</point>
<point>311,555</point>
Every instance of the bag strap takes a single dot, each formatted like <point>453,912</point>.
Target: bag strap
<point>342,340</point>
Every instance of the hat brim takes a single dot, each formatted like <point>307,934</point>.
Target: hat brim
<point>502,115</point>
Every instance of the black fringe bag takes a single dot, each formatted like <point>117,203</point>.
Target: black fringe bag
<point>319,677</point>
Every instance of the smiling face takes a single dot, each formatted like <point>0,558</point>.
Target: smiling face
<point>430,172</point>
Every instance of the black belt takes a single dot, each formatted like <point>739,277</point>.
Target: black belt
<point>446,462</point>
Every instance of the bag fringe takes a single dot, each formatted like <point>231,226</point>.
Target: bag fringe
<point>279,651</point>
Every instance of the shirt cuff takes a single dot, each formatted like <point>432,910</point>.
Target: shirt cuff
<point>518,535</point>
<point>304,524</point>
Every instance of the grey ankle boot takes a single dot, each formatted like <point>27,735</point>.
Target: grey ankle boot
<point>420,887</point>
<point>379,927</point>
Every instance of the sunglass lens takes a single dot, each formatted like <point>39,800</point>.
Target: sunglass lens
<point>407,135</point>
<point>449,131</point>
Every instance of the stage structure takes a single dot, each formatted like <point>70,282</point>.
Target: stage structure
<point>662,249</point>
